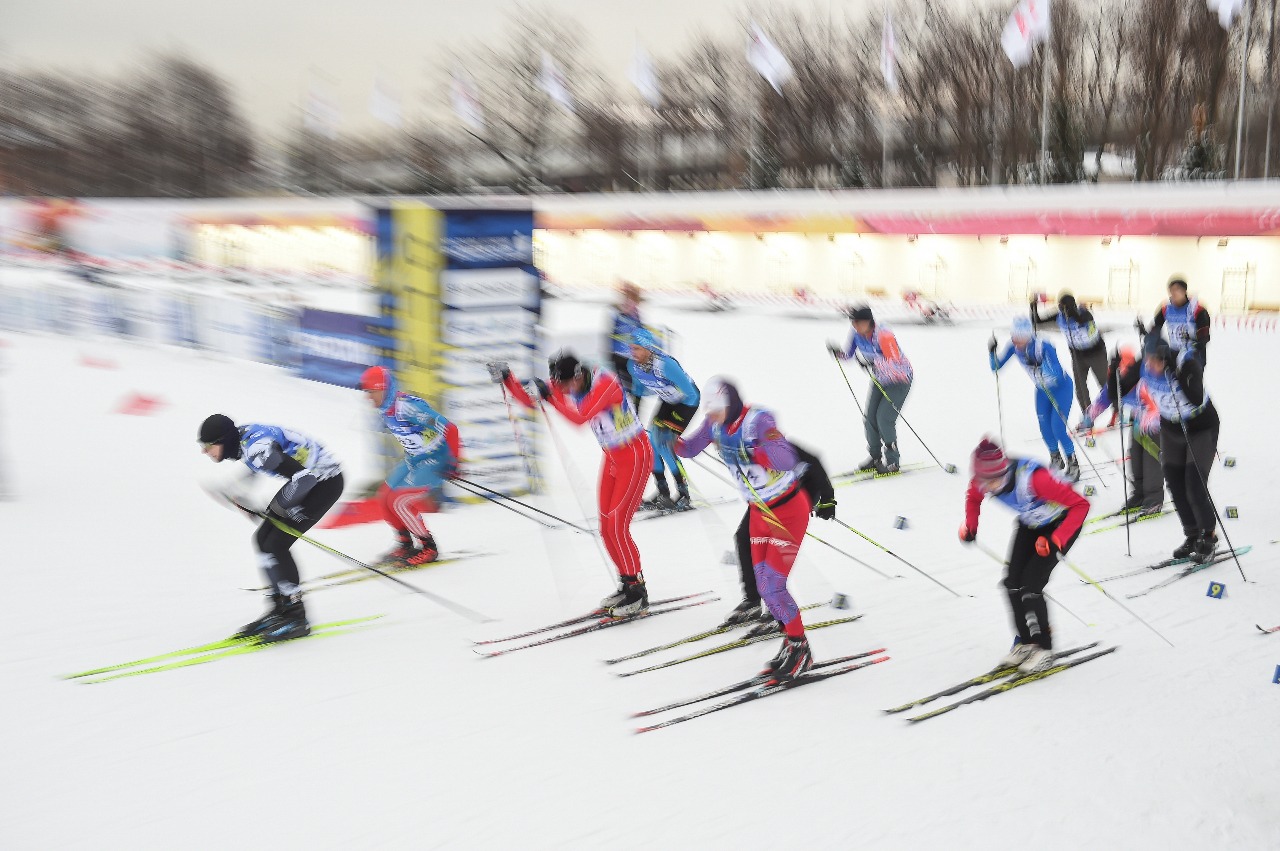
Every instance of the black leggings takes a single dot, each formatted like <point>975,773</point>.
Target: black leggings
<point>273,544</point>
<point>1025,580</point>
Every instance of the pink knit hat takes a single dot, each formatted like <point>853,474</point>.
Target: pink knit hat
<point>989,461</point>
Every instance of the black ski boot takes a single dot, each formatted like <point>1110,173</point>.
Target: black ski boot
<point>765,624</point>
<point>658,502</point>
<point>871,465</point>
<point>1072,472</point>
<point>1055,459</point>
<point>1188,546</point>
<point>682,502</point>
<point>1206,546</point>
<point>792,660</point>
<point>290,622</point>
<point>631,598</point>
<point>403,550</point>
<point>746,612</point>
<point>277,602</point>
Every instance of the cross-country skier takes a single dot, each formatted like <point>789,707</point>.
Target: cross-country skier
<point>877,351</point>
<point>626,321</point>
<point>1188,437</point>
<point>1186,319</point>
<point>415,485</point>
<point>1050,515</point>
<point>765,467</point>
<point>1084,342</point>
<point>1053,400</point>
<point>654,372</point>
<point>313,484</point>
<point>1144,449</point>
<point>822,497</point>
<point>587,396</point>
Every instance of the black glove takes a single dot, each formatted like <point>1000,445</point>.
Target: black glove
<point>825,510</point>
<point>498,371</point>
<point>1140,327</point>
<point>992,345</point>
<point>541,386</point>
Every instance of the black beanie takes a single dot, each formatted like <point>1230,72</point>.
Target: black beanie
<point>861,313</point>
<point>220,429</point>
<point>1067,304</point>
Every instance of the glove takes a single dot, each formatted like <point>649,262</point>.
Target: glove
<point>1046,546</point>
<point>836,351</point>
<point>1140,327</point>
<point>825,510</point>
<point>967,533</point>
<point>498,371</point>
<point>864,360</point>
<point>540,388</point>
<point>992,345</point>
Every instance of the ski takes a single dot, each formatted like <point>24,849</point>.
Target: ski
<point>606,623</point>
<point>1013,682</point>
<point>656,514</point>
<point>209,652</point>
<point>591,615</point>
<point>732,645</point>
<point>1142,518</point>
<point>1160,565</point>
<point>989,676</point>
<point>386,566</point>
<point>1265,630</point>
<point>853,477</point>
<point>720,630</point>
<point>758,679</point>
<point>764,690</point>
<point>1195,567</point>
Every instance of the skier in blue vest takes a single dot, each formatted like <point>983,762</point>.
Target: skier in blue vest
<point>1186,320</point>
<point>1053,400</point>
<point>1084,342</point>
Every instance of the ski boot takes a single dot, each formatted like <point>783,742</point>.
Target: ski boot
<point>658,502</point>
<point>793,659</point>
<point>1055,460</point>
<point>631,598</point>
<point>1206,546</point>
<point>1151,510</point>
<point>1188,546</point>
<point>1016,656</point>
<point>682,502</point>
<point>885,469</point>
<point>746,612</point>
<point>1072,471</point>
<point>289,622</point>
<point>872,464</point>
<point>427,554</point>
<point>765,624</point>
<point>277,602</point>
<point>1038,661</point>
<point>404,549</point>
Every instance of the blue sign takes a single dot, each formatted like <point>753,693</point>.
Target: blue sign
<point>1216,590</point>
<point>1276,678</point>
<point>336,348</point>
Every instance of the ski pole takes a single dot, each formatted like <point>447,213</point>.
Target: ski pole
<point>1124,479</point>
<point>807,533</point>
<point>898,557</point>
<point>849,384</point>
<point>950,468</point>
<point>998,560</point>
<point>496,495</point>
<point>530,464</point>
<point>1204,483</point>
<point>1062,558</point>
<point>999,401</point>
<point>456,608</point>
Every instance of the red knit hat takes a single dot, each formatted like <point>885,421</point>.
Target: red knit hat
<point>374,378</point>
<point>989,461</point>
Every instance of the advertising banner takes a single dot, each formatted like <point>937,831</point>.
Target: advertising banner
<point>334,348</point>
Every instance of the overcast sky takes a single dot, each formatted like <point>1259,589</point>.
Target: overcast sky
<point>269,49</point>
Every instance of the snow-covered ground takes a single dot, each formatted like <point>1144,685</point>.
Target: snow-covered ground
<point>399,736</point>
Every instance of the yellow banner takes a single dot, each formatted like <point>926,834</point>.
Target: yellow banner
<point>415,276</point>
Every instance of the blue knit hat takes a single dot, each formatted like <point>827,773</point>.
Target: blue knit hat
<point>1021,328</point>
<point>645,339</point>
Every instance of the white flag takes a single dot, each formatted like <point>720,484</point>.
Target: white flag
<point>320,115</point>
<point>1027,27</point>
<point>889,54</point>
<point>466,100</point>
<point>1227,10</point>
<point>766,58</point>
<point>384,103</point>
<point>553,82</point>
<point>643,77</point>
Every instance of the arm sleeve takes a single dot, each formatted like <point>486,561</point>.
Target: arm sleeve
<point>1037,319</point>
<point>1191,377</point>
<point>637,386</point>
<point>772,449</point>
<point>972,505</point>
<point>1158,322</point>
<point>604,394</point>
<point>1202,327</point>
<point>454,441</point>
<point>677,376</point>
<point>1046,486</point>
<point>694,442</point>
<point>516,391</point>
<point>997,362</point>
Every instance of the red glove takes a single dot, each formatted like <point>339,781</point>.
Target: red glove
<point>1047,546</point>
<point>967,534</point>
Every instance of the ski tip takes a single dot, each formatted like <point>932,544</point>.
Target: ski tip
<point>881,659</point>
<point>639,730</point>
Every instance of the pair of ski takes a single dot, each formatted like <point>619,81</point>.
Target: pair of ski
<point>214,650</point>
<point>1135,516</point>
<point>1194,567</point>
<point>1265,630</point>
<point>1012,678</point>
<point>1175,562</point>
<point>347,577</point>
<point>761,685</point>
<point>745,641</point>
<point>853,477</point>
<point>656,513</point>
<point>592,621</point>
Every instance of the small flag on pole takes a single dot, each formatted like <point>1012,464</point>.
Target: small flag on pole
<point>466,100</point>
<point>644,78</point>
<point>553,82</point>
<point>1227,10</point>
<point>889,54</point>
<point>1027,27</point>
<point>766,58</point>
